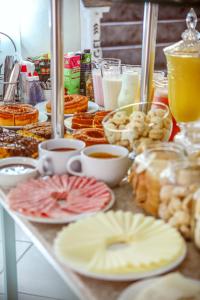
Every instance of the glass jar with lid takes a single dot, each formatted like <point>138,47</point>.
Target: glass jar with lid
<point>183,64</point>
<point>190,139</point>
<point>146,171</point>
<point>179,196</point>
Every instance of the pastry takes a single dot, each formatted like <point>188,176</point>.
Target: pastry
<point>91,136</point>
<point>14,144</point>
<point>98,118</point>
<point>42,130</point>
<point>18,114</point>
<point>88,120</point>
<point>82,120</point>
<point>72,104</point>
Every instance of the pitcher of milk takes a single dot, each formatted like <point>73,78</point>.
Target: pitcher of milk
<point>130,85</point>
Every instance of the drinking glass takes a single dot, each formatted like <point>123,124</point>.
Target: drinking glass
<point>111,82</point>
<point>130,84</point>
<point>97,78</point>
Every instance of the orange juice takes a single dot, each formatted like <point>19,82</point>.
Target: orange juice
<point>184,87</point>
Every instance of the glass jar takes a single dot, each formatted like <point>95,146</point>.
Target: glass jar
<point>161,95</point>
<point>146,171</point>
<point>183,65</point>
<point>179,194</point>
<point>190,139</point>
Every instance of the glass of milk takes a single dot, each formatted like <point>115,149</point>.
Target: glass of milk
<point>130,85</point>
<point>111,82</point>
<point>97,82</point>
<point>97,77</point>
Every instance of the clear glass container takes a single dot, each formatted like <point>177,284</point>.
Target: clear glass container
<point>111,82</point>
<point>146,172</point>
<point>130,84</point>
<point>97,77</point>
<point>179,194</point>
<point>137,123</point>
<point>183,65</point>
<point>161,95</point>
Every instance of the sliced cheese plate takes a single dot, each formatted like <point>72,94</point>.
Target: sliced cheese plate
<point>120,246</point>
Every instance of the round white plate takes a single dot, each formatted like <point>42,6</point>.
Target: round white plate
<point>134,290</point>
<point>68,124</point>
<point>67,219</point>
<point>128,276</point>
<point>42,118</point>
<point>92,107</point>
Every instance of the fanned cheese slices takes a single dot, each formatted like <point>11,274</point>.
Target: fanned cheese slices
<point>119,243</point>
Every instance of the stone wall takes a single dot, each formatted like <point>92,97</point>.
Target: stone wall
<point>121,31</point>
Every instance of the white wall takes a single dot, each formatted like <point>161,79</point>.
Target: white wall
<point>9,24</point>
<point>35,26</point>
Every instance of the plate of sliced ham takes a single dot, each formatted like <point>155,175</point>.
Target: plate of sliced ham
<point>60,199</point>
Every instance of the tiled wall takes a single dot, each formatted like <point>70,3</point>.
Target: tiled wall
<point>122,31</point>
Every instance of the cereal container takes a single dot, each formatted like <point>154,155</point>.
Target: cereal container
<point>146,172</point>
<point>180,197</point>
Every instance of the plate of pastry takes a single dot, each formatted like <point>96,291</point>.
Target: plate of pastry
<point>173,286</point>
<point>72,104</point>
<point>14,143</point>
<point>120,246</point>
<point>18,115</point>
<point>85,120</point>
<point>59,199</point>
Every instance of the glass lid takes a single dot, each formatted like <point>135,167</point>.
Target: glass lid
<point>190,43</point>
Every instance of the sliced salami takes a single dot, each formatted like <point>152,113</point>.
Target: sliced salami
<point>59,196</point>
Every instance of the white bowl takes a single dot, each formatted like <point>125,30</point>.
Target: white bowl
<point>8,181</point>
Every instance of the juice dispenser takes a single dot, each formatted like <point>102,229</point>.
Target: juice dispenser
<point>183,65</point>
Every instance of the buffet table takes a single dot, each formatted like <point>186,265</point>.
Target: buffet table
<point>43,235</point>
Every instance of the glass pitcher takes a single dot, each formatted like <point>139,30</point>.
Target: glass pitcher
<point>183,64</point>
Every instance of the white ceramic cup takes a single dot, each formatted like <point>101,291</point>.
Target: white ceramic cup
<point>109,170</point>
<point>54,162</point>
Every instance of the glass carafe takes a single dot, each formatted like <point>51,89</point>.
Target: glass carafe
<point>183,64</point>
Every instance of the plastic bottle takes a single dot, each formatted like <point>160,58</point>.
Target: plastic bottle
<point>22,80</point>
<point>29,81</point>
<point>36,93</point>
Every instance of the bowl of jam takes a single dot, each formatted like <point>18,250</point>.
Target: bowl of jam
<point>14,170</point>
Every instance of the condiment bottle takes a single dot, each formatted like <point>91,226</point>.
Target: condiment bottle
<point>22,79</point>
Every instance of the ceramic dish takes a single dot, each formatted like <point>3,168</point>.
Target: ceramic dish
<point>68,124</point>
<point>67,219</point>
<point>121,246</point>
<point>59,199</point>
<point>92,107</point>
<point>10,180</point>
<point>134,290</point>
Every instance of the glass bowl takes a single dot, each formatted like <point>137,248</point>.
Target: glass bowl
<point>130,125</point>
